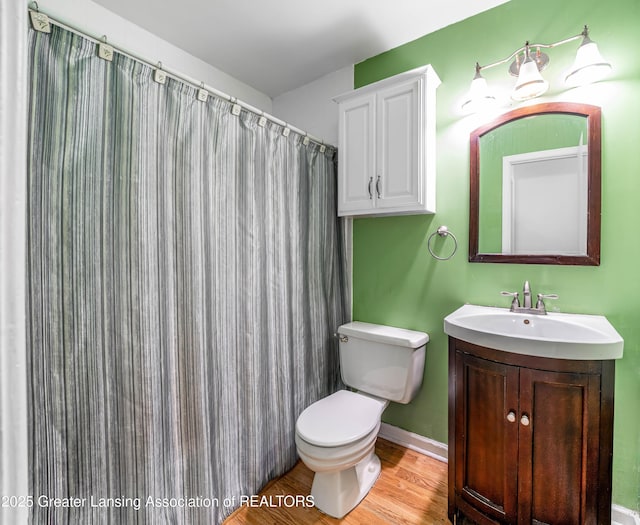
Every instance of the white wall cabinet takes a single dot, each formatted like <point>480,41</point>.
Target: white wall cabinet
<point>386,151</point>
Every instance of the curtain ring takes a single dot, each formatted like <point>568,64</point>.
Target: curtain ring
<point>37,7</point>
<point>442,231</point>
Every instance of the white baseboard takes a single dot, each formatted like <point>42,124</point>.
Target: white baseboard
<point>435,449</point>
<point>623,516</point>
<point>426,446</point>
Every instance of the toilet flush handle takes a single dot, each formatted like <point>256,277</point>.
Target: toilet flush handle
<point>342,338</point>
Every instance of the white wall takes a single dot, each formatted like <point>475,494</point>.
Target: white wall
<point>311,107</point>
<point>96,21</point>
<point>13,169</point>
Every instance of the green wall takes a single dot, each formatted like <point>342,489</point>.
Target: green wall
<point>396,281</point>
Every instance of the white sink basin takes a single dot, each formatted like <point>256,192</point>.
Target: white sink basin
<point>556,335</point>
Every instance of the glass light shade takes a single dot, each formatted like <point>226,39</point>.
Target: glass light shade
<point>479,96</point>
<point>530,83</point>
<point>589,66</point>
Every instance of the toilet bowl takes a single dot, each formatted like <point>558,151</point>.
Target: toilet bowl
<point>336,436</point>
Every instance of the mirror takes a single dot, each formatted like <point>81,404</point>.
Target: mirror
<point>535,186</point>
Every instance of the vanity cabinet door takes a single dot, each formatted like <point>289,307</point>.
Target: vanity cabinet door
<point>486,448</point>
<point>558,447</point>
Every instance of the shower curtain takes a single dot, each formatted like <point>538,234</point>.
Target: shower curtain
<point>185,281</point>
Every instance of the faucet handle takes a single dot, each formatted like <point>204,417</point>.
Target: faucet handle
<point>542,296</point>
<point>516,299</point>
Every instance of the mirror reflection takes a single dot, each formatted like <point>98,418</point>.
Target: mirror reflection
<point>535,180</point>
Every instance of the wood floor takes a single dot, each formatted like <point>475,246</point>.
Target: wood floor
<point>411,490</point>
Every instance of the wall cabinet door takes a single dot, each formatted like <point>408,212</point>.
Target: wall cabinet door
<point>398,171</point>
<point>529,444</point>
<point>356,184</point>
<point>386,152</point>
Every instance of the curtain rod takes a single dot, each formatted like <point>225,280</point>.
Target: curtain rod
<point>180,77</point>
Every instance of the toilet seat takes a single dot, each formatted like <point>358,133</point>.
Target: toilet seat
<point>330,459</point>
<point>340,419</point>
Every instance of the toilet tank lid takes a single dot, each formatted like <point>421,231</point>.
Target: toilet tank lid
<point>384,334</point>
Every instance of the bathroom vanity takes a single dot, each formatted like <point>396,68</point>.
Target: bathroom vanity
<point>530,436</point>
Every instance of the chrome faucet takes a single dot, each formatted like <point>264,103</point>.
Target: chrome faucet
<point>526,295</point>
<point>527,307</point>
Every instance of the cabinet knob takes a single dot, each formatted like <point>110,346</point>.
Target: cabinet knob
<point>525,420</point>
<point>378,191</point>
<point>369,188</point>
<point>511,416</point>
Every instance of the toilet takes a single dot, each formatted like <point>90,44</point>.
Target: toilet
<point>336,436</point>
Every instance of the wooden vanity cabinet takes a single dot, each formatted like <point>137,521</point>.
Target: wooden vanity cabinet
<point>530,438</point>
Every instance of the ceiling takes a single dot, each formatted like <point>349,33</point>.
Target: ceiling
<point>275,46</point>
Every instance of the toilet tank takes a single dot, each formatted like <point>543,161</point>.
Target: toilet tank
<point>383,361</point>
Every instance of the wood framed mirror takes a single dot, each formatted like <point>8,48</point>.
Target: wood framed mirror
<point>535,186</point>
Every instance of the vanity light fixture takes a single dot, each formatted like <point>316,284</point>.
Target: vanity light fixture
<point>479,96</point>
<point>527,63</point>
<point>530,83</point>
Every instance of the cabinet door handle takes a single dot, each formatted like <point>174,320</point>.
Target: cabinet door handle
<point>511,416</point>
<point>525,420</point>
<point>369,188</point>
<point>378,187</point>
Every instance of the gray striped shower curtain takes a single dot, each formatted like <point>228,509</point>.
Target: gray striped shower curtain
<point>185,279</point>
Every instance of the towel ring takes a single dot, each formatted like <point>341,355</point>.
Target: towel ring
<point>442,231</point>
